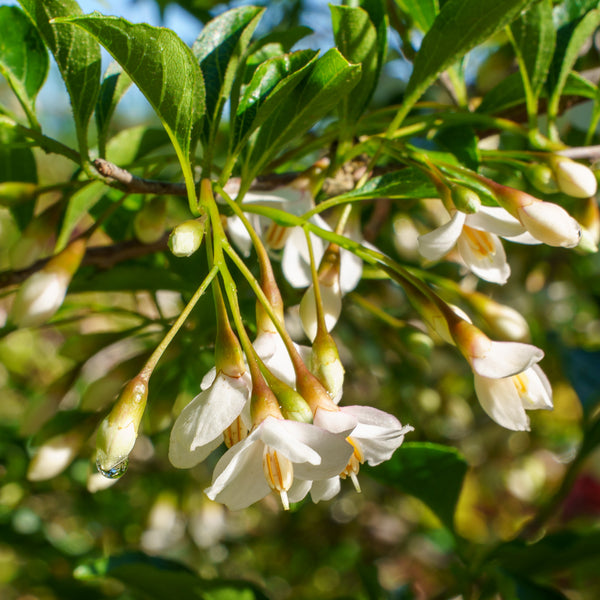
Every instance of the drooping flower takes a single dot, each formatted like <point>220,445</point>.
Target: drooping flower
<point>276,453</point>
<point>475,236</point>
<point>506,399</point>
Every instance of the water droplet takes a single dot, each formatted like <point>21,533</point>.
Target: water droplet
<point>114,472</point>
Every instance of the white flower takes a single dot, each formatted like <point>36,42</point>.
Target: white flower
<point>506,399</point>
<point>201,425</point>
<point>375,438</point>
<point>476,239</point>
<point>275,453</point>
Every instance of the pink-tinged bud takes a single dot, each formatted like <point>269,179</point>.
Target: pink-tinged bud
<point>55,455</point>
<point>186,238</point>
<point>150,222</point>
<point>43,293</point>
<point>547,222</point>
<point>117,433</point>
<point>574,179</point>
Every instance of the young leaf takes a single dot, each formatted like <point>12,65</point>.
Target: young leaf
<point>115,83</point>
<point>460,26</point>
<point>568,11</point>
<point>422,12</point>
<point>129,145</point>
<point>535,38</point>
<point>569,41</point>
<point>356,38</point>
<point>327,82</point>
<point>77,55</point>
<point>272,82</point>
<point>416,465</point>
<point>165,71</point>
<point>23,58</point>
<point>218,50</point>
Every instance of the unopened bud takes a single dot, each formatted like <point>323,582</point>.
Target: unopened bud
<point>117,433</point>
<point>55,455</point>
<point>16,192</point>
<point>464,199</point>
<point>573,178</point>
<point>149,223</point>
<point>326,365</point>
<point>43,293</point>
<point>186,238</point>
<point>292,404</point>
<point>542,178</point>
<point>417,342</point>
<point>504,322</point>
<point>588,216</point>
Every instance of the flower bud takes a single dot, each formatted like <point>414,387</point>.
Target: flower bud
<point>325,364</point>
<point>464,199</point>
<point>186,238</point>
<point>542,178</point>
<point>149,223</point>
<point>16,192</point>
<point>118,431</point>
<point>503,321</point>
<point>55,455</point>
<point>588,216</point>
<point>43,293</point>
<point>292,404</point>
<point>573,178</point>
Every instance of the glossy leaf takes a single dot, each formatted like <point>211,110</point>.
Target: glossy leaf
<point>422,12</point>
<point>160,578</point>
<point>272,45</point>
<point>325,84</point>
<point>23,58</point>
<point>405,183</point>
<point>416,465</point>
<point>79,204</point>
<point>535,38</point>
<point>114,85</point>
<point>569,41</point>
<point>272,82</point>
<point>568,11</point>
<point>77,55</point>
<point>356,38</point>
<point>163,68</point>
<point>218,49</point>
<point>461,141</point>
<point>460,26</point>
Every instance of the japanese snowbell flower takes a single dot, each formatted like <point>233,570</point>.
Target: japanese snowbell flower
<point>375,438</point>
<point>506,399</point>
<point>220,410</point>
<point>476,239</point>
<point>276,452</point>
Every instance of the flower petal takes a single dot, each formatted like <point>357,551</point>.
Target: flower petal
<point>271,349</point>
<point>484,254</point>
<point>537,392</point>
<point>331,297</point>
<point>340,422</point>
<point>325,489</point>
<point>500,400</point>
<point>295,261</point>
<point>495,219</point>
<point>504,359</point>
<point>198,429</point>
<point>437,243</point>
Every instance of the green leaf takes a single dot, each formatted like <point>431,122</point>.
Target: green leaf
<point>166,72</point>
<point>460,26</point>
<point>325,84</point>
<point>535,38</point>
<point>405,183</point>
<point>79,204</point>
<point>416,465</point>
<point>356,38</point>
<point>77,55</point>
<point>422,12</point>
<point>567,11</point>
<point>129,145</point>
<point>569,41</point>
<point>23,58</point>
<point>159,578</point>
<point>272,45</point>
<point>218,49</point>
<point>272,82</point>
<point>114,85</point>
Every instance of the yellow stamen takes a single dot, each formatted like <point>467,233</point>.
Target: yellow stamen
<point>479,241</point>
<point>353,466</point>
<point>235,433</point>
<point>276,236</point>
<point>279,473</point>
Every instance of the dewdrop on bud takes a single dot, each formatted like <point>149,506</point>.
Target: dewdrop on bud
<point>574,179</point>
<point>149,223</point>
<point>464,199</point>
<point>117,433</point>
<point>186,238</point>
<point>43,293</point>
<point>541,178</point>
